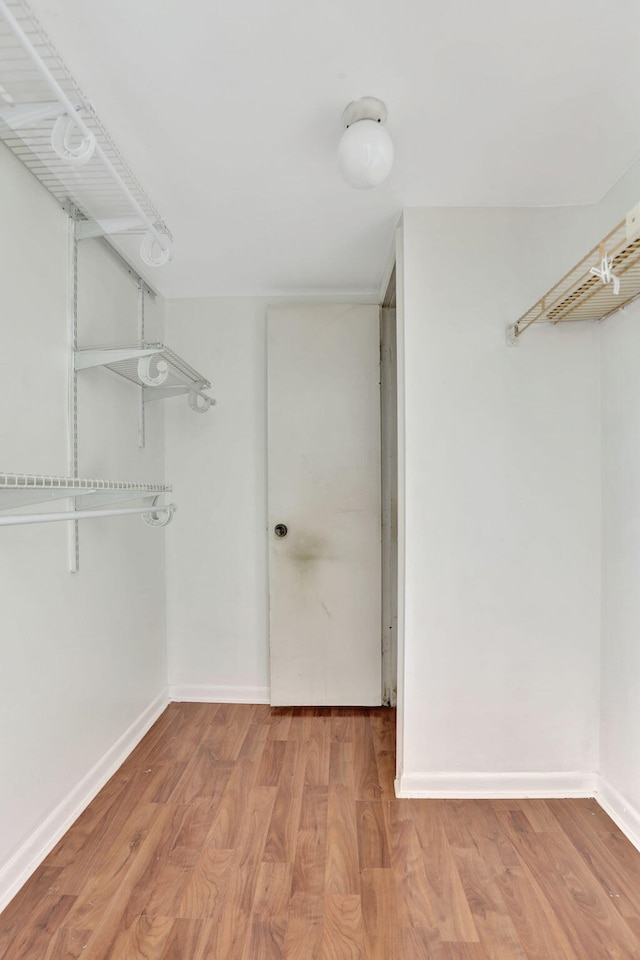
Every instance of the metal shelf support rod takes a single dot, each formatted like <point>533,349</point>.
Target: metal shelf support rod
<point>82,515</point>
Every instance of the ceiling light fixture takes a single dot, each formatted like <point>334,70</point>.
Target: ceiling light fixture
<point>365,152</point>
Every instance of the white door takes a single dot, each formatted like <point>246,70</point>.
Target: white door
<point>324,487</point>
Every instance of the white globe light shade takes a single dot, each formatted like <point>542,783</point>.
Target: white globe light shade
<point>365,154</point>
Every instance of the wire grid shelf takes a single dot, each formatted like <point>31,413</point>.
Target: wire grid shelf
<point>124,359</point>
<point>179,373</point>
<point>92,187</point>
<point>34,482</point>
<point>581,295</point>
<point>19,490</point>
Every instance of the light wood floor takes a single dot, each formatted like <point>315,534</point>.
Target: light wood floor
<point>244,833</point>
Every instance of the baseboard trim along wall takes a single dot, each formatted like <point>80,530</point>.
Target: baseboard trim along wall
<point>205,693</point>
<point>623,813</point>
<point>15,873</point>
<point>496,786</point>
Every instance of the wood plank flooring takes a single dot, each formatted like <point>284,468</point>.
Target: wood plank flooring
<point>245,833</point>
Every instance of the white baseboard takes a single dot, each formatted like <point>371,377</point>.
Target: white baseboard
<point>22,864</point>
<point>496,785</point>
<point>623,813</point>
<point>206,693</point>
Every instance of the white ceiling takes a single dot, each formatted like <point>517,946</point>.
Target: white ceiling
<point>229,113</point>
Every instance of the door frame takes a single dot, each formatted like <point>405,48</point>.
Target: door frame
<point>391,291</point>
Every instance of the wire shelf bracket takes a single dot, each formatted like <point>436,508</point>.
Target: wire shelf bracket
<point>50,125</point>
<point>98,496</point>
<point>605,281</point>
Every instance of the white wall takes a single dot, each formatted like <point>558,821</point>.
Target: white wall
<point>620,711</point>
<point>217,595</point>
<point>502,523</point>
<point>83,655</point>
<point>619,785</point>
<point>504,568</point>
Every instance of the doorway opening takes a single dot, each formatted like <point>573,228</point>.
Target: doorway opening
<point>389,490</point>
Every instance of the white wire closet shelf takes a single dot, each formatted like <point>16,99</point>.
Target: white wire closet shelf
<point>48,123</point>
<point>603,282</point>
<point>159,371</point>
<point>97,496</point>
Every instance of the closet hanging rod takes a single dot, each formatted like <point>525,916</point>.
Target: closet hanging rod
<point>72,110</point>
<point>88,515</point>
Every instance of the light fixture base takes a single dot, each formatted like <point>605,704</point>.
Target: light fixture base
<point>366,108</point>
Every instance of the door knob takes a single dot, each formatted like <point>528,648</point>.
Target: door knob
<point>280,530</point>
